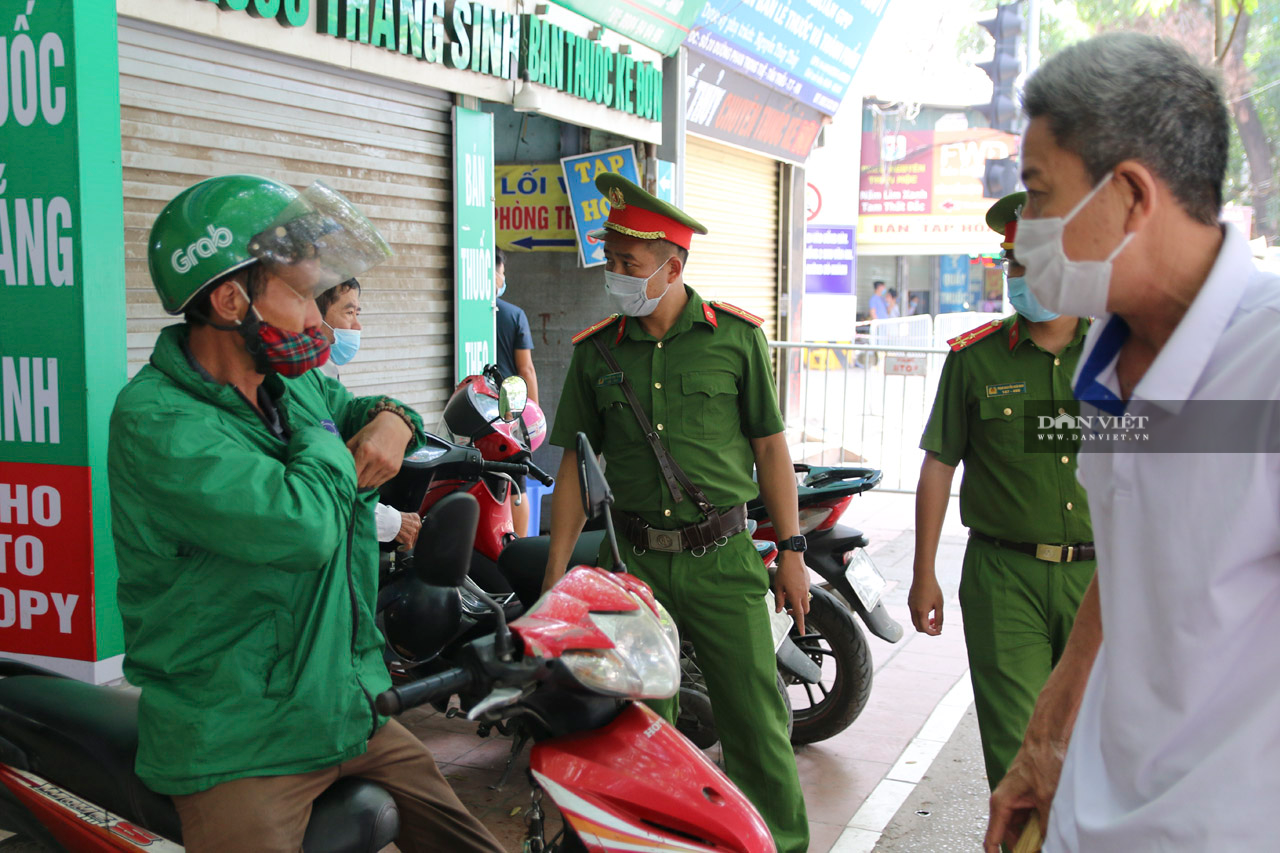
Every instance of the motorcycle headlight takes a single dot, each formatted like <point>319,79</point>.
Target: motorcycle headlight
<point>643,663</point>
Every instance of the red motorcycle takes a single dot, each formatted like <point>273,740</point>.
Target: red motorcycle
<point>622,777</point>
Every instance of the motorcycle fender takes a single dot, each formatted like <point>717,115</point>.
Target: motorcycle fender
<point>792,661</point>
<point>637,784</point>
<point>878,621</point>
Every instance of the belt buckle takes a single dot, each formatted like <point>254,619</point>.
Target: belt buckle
<point>1049,553</point>
<point>664,540</point>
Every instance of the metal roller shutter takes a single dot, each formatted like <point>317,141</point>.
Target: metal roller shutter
<point>735,194</point>
<point>194,107</point>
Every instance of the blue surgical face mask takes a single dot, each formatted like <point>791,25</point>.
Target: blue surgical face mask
<point>503,289</point>
<point>346,343</point>
<point>628,292</point>
<point>1025,302</point>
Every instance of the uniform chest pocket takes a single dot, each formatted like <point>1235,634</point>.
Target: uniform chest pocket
<point>710,404</point>
<point>1004,425</point>
<point>616,413</point>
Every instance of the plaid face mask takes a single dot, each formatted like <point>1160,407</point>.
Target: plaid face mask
<point>293,353</point>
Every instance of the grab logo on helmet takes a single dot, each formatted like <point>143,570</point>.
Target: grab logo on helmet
<point>184,259</point>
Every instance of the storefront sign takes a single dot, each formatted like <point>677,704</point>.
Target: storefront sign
<point>60,209</point>
<point>953,283</point>
<point>590,209</point>
<point>830,253</point>
<point>532,207</point>
<point>806,49</point>
<point>473,37</point>
<point>659,24</point>
<point>925,186</point>
<point>587,69</point>
<point>473,241</point>
<point>724,105</point>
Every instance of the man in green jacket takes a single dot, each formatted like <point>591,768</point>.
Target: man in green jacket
<point>242,514</point>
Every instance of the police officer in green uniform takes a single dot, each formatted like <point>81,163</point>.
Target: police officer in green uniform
<point>1030,553</point>
<point>702,374</point>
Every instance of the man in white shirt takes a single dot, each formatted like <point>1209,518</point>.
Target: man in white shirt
<point>340,314</point>
<point>1164,735</point>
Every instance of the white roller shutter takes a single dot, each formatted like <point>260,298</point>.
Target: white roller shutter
<point>195,107</point>
<point>735,194</point>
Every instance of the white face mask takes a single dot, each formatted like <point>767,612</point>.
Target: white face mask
<point>628,292</point>
<point>1075,288</point>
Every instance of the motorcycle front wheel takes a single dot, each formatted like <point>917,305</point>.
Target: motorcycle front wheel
<point>832,640</point>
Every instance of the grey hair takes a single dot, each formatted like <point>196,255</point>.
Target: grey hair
<point>1128,96</point>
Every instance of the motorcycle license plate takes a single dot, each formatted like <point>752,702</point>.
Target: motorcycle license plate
<point>779,623</point>
<point>865,578</point>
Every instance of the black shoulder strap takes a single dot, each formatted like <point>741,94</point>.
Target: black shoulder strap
<point>671,471</point>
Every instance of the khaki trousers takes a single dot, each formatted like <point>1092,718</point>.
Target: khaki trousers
<point>270,813</point>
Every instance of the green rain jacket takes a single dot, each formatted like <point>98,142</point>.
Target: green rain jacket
<point>248,574</point>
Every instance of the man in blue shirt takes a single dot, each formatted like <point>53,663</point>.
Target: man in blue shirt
<point>879,307</point>
<point>515,341</point>
<point>515,358</point>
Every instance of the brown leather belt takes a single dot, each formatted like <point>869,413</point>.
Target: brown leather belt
<point>1050,553</point>
<point>702,535</point>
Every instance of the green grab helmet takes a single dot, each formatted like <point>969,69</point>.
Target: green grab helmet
<point>314,239</point>
<point>204,233</point>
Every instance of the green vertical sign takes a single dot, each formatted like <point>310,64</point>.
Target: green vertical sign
<point>473,241</point>
<point>61,211</point>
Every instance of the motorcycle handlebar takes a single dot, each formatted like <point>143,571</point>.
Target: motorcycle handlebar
<point>541,476</point>
<point>415,693</point>
<point>519,469</point>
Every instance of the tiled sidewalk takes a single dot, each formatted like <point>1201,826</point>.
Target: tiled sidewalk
<point>837,775</point>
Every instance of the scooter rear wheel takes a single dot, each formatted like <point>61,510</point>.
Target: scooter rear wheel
<point>833,640</point>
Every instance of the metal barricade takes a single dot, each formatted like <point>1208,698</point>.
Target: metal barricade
<point>863,403</point>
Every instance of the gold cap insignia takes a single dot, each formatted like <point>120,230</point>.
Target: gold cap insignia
<point>617,199</point>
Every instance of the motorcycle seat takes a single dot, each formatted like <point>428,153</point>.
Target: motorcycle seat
<point>84,738</point>
<point>524,562</point>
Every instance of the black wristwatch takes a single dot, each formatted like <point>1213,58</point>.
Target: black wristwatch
<point>795,543</point>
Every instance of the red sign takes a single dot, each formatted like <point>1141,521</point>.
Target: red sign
<point>46,561</point>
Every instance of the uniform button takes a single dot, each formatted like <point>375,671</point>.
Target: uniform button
<point>666,512</point>
<point>1065,460</point>
<point>659,344</point>
<point>659,427</point>
<point>1062,411</point>
<point>1069,505</point>
<point>657,385</point>
<point>1057,361</point>
<point>1008,411</point>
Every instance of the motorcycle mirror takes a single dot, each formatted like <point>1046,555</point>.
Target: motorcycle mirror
<point>513,396</point>
<point>596,495</point>
<point>442,556</point>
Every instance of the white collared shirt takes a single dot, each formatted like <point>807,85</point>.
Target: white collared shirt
<point>1177,744</point>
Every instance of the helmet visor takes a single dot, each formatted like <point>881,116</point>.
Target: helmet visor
<point>319,241</point>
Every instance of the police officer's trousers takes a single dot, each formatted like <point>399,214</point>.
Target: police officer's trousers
<point>718,603</point>
<point>1018,612</point>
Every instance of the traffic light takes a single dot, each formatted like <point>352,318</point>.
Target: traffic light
<point>1003,68</point>
<point>1000,177</point>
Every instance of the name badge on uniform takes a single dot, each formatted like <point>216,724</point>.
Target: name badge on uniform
<point>609,379</point>
<point>1004,389</point>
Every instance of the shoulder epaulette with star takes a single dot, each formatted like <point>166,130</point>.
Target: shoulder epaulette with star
<point>972,336</point>
<point>739,313</point>
<point>593,328</point>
